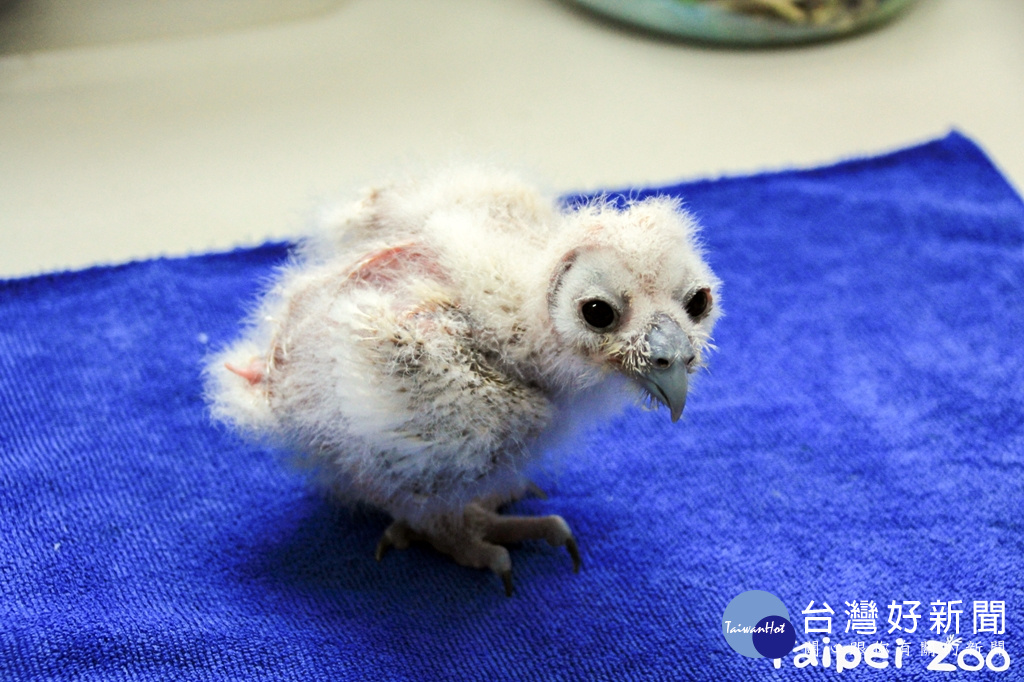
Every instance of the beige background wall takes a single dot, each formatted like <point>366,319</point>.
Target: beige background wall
<point>172,128</point>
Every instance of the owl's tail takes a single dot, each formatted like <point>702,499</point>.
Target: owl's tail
<point>235,389</point>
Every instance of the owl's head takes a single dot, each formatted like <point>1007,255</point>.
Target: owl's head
<point>632,292</point>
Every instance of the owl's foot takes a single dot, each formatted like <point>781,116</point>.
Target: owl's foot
<point>476,538</point>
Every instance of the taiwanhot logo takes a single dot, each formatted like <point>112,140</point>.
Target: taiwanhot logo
<point>756,624</point>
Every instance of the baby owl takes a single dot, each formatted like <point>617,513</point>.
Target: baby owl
<point>441,334</point>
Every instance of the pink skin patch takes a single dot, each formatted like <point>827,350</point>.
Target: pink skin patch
<point>252,373</point>
<point>391,264</point>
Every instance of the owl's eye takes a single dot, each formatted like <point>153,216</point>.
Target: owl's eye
<point>599,314</point>
<point>699,304</point>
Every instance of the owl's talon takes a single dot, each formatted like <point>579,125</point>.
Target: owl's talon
<point>382,548</point>
<point>397,535</point>
<point>574,552</point>
<point>506,579</point>
<point>478,536</point>
<point>535,490</point>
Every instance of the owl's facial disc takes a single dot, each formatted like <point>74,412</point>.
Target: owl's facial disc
<point>665,375</point>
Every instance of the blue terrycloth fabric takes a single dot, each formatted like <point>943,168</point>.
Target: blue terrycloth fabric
<point>860,437</point>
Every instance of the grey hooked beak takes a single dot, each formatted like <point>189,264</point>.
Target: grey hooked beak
<point>666,377</point>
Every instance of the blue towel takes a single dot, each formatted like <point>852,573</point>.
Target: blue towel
<point>859,439</point>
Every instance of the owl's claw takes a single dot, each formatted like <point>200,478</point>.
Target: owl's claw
<point>574,552</point>
<point>382,547</point>
<point>476,539</point>
<point>533,489</point>
<point>397,535</point>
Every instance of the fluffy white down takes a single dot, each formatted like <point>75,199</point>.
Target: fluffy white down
<point>423,348</point>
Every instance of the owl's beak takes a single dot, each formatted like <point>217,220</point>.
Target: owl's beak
<point>667,375</point>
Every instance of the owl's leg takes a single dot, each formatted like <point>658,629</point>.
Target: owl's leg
<point>528,488</point>
<point>475,538</point>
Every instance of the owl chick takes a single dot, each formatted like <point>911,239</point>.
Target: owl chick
<point>442,334</point>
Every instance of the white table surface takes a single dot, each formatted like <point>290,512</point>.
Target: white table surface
<point>126,136</point>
